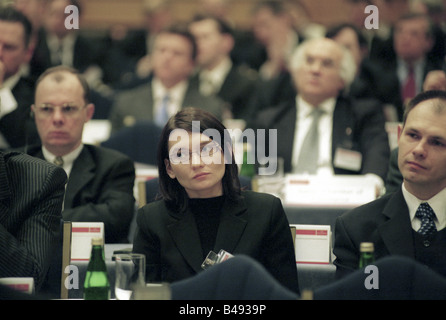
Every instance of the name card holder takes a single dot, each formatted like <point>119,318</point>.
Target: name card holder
<point>22,284</point>
<point>327,191</point>
<point>81,235</point>
<point>312,243</point>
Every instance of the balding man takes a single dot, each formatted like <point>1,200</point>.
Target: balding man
<point>351,137</point>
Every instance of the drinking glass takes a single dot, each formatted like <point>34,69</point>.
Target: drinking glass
<point>130,274</point>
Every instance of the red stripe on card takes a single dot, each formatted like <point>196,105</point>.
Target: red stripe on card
<point>80,229</point>
<point>19,286</point>
<point>305,231</point>
<point>312,232</point>
<point>85,229</point>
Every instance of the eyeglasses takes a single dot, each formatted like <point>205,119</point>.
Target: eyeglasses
<point>209,153</point>
<point>47,110</point>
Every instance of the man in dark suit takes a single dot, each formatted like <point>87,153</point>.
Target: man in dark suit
<point>57,44</point>
<point>371,81</point>
<point>100,185</point>
<point>31,196</point>
<point>392,222</point>
<point>16,90</point>
<point>169,88</point>
<point>217,74</point>
<point>353,139</point>
<point>408,52</point>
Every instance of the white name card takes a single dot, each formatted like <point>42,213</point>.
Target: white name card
<point>81,235</point>
<point>22,284</point>
<point>96,131</point>
<point>312,243</point>
<point>338,191</point>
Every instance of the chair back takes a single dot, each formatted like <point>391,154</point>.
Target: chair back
<point>139,142</point>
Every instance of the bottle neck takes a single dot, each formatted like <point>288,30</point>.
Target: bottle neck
<point>97,261</point>
<point>366,258</point>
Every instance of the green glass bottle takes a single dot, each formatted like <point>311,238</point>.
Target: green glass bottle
<point>97,285</point>
<point>366,254</point>
<point>247,169</point>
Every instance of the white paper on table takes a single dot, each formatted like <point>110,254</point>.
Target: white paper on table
<point>81,235</point>
<point>337,191</point>
<point>312,243</point>
<point>96,131</point>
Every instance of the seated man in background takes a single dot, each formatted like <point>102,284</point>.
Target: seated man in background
<point>100,184</point>
<point>409,222</point>
<point>350,136</point>
<point>217,74</point>
<point>169,88</point>
<point>31,196</point>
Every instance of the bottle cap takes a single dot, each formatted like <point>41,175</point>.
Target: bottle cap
<point>97,241</point>
<point>366,247</point>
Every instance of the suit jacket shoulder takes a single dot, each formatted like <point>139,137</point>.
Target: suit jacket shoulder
<point>31,195</point>
<point>132,105</point>
<point>212,104</point>
<point>385,222</point>
<point>18,127</point>
<point>270,117</point>
<point>103,154</point>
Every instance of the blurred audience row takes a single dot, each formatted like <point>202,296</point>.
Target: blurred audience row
<point>54,80</point>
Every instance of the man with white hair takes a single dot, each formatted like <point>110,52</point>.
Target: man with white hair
<point>350,136</point>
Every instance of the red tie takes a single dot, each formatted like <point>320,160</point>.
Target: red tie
<point>409,86</point>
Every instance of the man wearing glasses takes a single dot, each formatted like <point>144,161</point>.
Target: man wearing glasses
<point>100,184</point>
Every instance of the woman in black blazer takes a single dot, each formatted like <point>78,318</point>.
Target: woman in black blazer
<point>204,209</point>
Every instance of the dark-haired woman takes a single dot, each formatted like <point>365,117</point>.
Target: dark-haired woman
<point>204,209</point>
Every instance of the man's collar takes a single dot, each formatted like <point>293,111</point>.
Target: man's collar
<point>11,82</point>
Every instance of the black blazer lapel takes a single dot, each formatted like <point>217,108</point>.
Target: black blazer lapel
<point>343,126</point>
<point>286,127</point>
<point>185,235</point>
<point>232,226</point>
<point>82,173</point>
<point>4,190</point>
<point>396,230</point>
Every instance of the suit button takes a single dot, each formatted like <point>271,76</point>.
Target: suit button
<point>426,243</point>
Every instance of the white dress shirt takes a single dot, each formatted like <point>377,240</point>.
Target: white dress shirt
<point>8,103</point>
<point>437,203</point>
<point>176,96</point>
<point>303,123</point>
<point>67,49</point>
<point>68,159</point>
<point>216,77</point>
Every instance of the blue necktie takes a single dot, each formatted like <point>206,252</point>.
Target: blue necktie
<point>426,215</point>
<point>163,115</point>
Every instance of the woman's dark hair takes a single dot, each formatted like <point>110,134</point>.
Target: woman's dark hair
<point>187,119</point>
